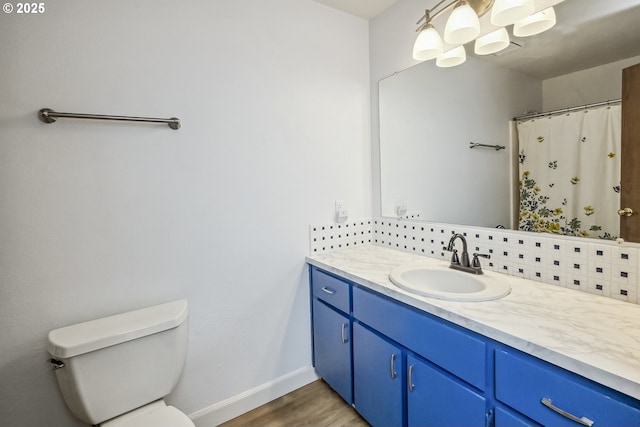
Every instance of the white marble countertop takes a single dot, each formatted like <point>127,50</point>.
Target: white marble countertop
<point>593,336</point>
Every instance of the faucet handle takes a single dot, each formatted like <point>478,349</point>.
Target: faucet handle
<point>454,258</point>
<point>475,262</point>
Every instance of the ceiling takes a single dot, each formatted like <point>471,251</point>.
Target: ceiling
<point>588,33</point>
<point>366,9</point>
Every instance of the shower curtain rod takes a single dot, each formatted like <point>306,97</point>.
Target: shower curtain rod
<point>568,110</point>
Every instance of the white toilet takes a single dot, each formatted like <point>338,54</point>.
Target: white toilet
<point>115,371</point>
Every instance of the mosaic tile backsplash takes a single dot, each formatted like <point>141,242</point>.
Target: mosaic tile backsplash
<point>599,267</point>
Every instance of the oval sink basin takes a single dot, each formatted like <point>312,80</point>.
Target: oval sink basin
<point>448,284</point>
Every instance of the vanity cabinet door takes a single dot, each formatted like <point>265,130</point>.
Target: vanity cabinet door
<point>332,348</point>
<point>505,418</point>
<point>377,378</point>
<point>435,399</point>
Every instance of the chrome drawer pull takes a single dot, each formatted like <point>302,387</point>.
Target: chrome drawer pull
<point>328,290</point>
<point>582,421</point>
<point>393,366</point>
<point>344,336</point>
<point>410,378</point>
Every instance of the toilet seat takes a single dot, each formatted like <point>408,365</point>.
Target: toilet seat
<point>156,414</point>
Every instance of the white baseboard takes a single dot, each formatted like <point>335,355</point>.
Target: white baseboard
<point>237,405</point>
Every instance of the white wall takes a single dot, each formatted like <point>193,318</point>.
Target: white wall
<point>99,218</point>
<point>596,84</point>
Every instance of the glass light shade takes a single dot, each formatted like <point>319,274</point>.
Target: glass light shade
<point>535,24</point>
<point>492,42</point>
<point>452,58</point>
<point>428,45</point>
<point>506,12</point>
<point>462,26</point>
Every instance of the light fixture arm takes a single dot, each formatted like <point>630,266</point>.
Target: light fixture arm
<point>427,18</point>
<point>428,11</point>
<point>479,6</point>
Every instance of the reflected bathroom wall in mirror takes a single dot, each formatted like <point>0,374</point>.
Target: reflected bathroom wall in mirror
<point>428,115</point>
<point>425,131</point>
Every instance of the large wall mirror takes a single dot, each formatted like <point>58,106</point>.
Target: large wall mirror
<point>429,115</point>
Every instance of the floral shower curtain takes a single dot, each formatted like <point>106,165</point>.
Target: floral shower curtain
<point>570,173</point>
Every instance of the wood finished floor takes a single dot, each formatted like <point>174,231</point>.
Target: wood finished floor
<point>314,405</point>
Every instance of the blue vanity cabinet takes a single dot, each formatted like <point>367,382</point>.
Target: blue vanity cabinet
<point>402,367</point>
<point>552,396</point>
<point>378,378</point>
<point>332,332</point>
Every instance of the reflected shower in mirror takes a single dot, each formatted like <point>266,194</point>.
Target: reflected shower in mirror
<point>569,173</point>
<point>429,115</point>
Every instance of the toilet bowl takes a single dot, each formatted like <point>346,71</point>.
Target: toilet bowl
<point>156,414</point>
<point>116,371</point>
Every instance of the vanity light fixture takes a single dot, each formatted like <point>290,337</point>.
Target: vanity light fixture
<point>428,45</point>
<point>506,12</point>
<point>455,56</point>
<point>492,42</point>
<point>463,26</point>
<point>535,24</point>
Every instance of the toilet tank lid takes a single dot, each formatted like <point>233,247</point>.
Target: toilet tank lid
<point>100,333</point>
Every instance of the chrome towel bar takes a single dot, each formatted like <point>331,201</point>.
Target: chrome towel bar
<point>496,147</point>
<point>47,115</point>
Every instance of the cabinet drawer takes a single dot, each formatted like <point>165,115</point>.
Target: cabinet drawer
<point>523,381</point>
<point>447,346</point>
<point>330,290</point>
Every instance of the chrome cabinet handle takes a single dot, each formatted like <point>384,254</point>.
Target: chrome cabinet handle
<point>393,367</point>
<point>582,421</point>
<point>328,290</point>
<point>345,339</point>
<point>410,378</point>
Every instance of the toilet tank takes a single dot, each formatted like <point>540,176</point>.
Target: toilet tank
<point>119,363</point>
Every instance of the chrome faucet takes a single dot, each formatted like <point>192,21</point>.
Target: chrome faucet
<point>464,264</point>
